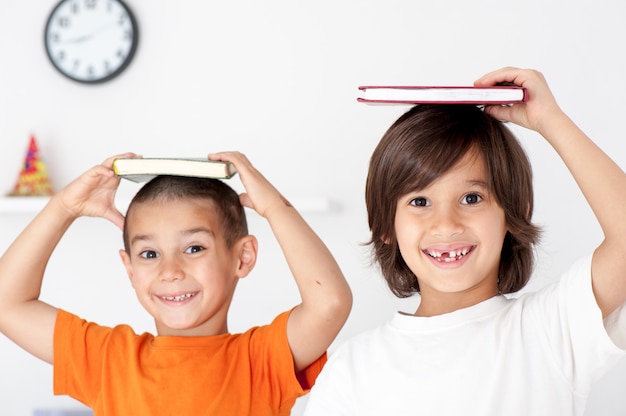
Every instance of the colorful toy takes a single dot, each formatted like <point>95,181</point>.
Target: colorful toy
<point>33,179</point>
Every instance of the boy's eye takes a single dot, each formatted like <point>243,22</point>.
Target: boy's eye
<point>194,249</point>
<point>149,254</point>
<point>419,202</point>
<point>470,199</point>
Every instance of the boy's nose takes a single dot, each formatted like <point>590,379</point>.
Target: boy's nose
<point>171,270</point>
<point>446,222</point>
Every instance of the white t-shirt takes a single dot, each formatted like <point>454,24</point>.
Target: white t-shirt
<point>535,355</point>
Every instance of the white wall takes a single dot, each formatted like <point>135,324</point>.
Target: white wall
<point>277,80</point>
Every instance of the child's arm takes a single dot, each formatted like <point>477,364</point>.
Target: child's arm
<point>25,319</point>
<point>601,180</point>
<point>326,297</point>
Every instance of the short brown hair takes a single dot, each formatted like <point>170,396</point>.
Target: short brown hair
<point>418,148</point>
<point>176,188</point>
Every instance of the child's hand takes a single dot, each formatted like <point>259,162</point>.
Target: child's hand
<point>93,193</point>
<point>260,193</point>
<point>540,107</point>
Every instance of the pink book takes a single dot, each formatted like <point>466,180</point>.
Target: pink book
<point>441,95</point>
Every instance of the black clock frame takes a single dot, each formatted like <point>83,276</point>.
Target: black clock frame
<point>112,75</point>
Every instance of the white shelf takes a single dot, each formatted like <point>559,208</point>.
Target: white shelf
<point>30,205</point>
<point>22,204</point>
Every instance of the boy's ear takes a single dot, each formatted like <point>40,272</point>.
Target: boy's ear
<point>127,264</point>
<point>247,252</point>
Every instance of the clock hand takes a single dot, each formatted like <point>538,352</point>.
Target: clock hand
<point>88,36</point>
<point>78,39</point>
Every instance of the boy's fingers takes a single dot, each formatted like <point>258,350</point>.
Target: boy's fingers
<point>116,218</point>
<point>109,161</point>
<point>246,201</point>
<point>499,76</point>
<point>499,112</point>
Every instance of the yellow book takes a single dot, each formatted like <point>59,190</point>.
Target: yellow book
<point>144,169</point>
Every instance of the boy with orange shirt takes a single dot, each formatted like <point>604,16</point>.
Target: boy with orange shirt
<point>186,245</point>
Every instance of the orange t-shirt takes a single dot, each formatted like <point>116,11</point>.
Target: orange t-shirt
<point>116,372</point>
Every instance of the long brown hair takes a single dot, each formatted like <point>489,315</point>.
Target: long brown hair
<point>418,148</point>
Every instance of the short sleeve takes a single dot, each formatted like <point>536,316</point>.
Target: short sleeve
<point>77,361</point>
<point>272,363</point>
<point>572,321</point>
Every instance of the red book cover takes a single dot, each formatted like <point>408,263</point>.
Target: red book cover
<point>419,94</point>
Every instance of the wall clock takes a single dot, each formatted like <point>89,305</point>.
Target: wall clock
<point>91,41</point>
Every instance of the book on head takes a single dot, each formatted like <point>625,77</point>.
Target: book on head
<point>442,95</point>
<point>144,169</point>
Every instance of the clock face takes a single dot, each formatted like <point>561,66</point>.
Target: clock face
<point>91,41</point>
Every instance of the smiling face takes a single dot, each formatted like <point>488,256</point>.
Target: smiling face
<point>180,266</point>
<point>419,149</point>
<point>450,234</point>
